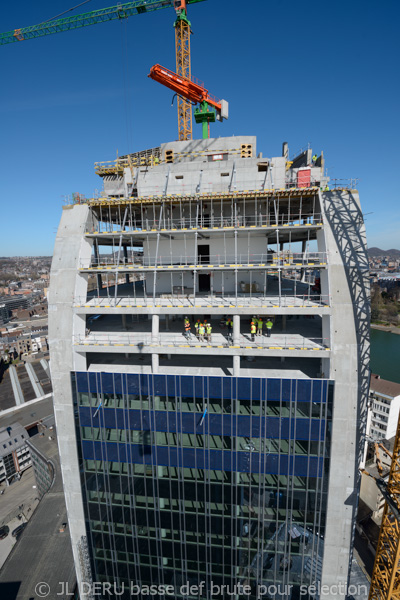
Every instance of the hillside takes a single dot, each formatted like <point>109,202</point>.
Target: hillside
<point>378,252</point>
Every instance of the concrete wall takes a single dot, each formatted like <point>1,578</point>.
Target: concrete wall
<point>393,418</point>
<point>66,285</point>
<point>345,244</point>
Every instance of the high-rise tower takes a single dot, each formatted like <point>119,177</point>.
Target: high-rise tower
<point>233,458</point>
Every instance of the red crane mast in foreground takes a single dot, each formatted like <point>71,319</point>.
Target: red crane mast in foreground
<point>193,93</point>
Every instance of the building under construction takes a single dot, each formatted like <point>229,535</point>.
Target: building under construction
<point>211,458</point>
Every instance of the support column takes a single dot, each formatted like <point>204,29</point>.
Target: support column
<point>155,329</point>
<point>124,327</point>
<point>283,322</point>
<point>154,363</point>
<point>96,255</point>
<point>166,322</point>
<point>236,330</point>
<point>125,261</point>
<point>236,366</point>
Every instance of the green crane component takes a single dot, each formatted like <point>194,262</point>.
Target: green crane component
<point>122,11</point>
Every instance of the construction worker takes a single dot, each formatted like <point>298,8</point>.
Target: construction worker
<point>196,328</point>
<point>187,327</point>
<point>208,331</point>
<point>314,159</point>
<point>202,331</point>
<point>229,326</point>
<point>253,330</point>
<point>269,324</point>
<point>259,326</point>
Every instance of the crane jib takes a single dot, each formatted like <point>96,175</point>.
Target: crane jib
<point>122,11</point>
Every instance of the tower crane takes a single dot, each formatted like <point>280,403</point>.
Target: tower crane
<point>123,11</point>
<point>188,91</point>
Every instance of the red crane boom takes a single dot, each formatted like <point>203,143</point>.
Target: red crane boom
<point>194,92</point>
<point>184,87</point>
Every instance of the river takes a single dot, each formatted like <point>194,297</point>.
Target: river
<point>385,354</point>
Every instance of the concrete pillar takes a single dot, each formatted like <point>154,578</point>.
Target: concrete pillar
<point>155,328</point>
<point>124,327</point>
<point>166,322</point>
<point>236,366</point>
<point>236,330</point>
<point>283,322</point>
<point>154,363</point>
<point>326,330</point>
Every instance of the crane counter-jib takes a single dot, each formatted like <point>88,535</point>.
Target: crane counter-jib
<point>121,11</point>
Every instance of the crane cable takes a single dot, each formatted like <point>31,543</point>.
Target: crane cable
<point>65,12</point>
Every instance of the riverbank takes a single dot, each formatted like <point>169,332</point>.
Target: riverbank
<point>389,328</point>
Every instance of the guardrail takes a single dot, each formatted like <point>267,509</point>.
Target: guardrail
<point>186,223</point>
<point>273,259</point>
<point>182,300</point>
<point>218,340</point>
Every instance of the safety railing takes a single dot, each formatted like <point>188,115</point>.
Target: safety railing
<point>269,259</point>
<point>185,299</point>
<point>294,219</point>
<point>217,340</point>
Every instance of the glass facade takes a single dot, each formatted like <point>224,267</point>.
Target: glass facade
<point>212,481</point>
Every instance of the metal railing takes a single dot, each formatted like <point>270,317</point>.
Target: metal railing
<point>216,222</point>
<point>187,300</point>
<point>218,340</point>
<point>273,259</point>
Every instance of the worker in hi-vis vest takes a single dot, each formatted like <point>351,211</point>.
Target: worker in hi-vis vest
<point>208,332</point>
<point>259,326</point>
<point>202,331</point>
<point>196,328</point>
<point>187,327</point>
<point>269,325</point>
<point>252,330</point>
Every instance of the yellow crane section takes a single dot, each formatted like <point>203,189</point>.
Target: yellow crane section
<point>183,68</point>
<point>385,581</point>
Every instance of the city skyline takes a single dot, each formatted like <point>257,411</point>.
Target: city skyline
<point>83,96</point>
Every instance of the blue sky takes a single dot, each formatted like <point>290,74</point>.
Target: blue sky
<point>322,73</point>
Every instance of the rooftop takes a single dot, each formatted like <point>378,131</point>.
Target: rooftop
<point>382,386</point>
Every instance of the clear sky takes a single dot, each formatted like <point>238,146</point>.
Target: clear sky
<point>324,73</point>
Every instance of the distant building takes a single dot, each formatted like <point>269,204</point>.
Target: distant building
<point>14,452</point>
<point>43,448</point>
<point>45,545</point>
<point>384,408</point>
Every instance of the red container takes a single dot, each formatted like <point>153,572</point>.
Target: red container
<point>304,177</point>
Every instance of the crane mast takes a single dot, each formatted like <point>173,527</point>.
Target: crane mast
<point>183,69</point>
<point>385,581</point>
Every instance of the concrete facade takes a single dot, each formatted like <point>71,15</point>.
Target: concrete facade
<point>221,232</point>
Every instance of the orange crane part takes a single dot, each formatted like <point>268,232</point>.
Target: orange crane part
<point>187,88</point>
